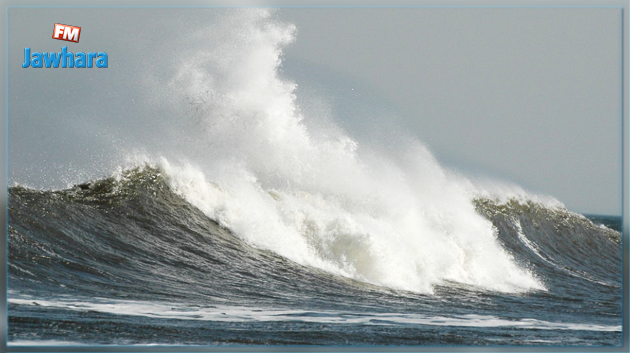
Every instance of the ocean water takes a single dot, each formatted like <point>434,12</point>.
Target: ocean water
<point>267,231</point>
<point>131,262</point>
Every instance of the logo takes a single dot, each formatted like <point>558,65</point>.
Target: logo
<point>65,32</point>
<point>65,58</point>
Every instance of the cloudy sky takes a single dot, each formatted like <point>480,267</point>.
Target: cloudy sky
<point>530,96</point>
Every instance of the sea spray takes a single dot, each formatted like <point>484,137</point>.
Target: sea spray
<point>398,221</point>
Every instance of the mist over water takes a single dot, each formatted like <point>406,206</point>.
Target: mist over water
<point>234,143</point>
<point>316,197</point>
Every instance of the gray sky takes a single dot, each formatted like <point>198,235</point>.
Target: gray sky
<point>530,96</point>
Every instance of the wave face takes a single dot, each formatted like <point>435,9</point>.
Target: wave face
<point>273,226</point>
<point>312,195</point>
<point>130,246</point>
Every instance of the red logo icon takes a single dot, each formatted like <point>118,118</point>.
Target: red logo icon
<point>67,33</point>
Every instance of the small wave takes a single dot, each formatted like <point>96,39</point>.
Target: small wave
<point>224,313</point>
<point>15,343</point>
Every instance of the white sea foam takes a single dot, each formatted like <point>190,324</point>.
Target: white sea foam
<point>224,313</point>
<point>397,220</point>
<point>43,343</point>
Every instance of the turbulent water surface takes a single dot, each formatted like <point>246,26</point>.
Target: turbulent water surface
<point>131,262</point>
<point>262,229</point>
